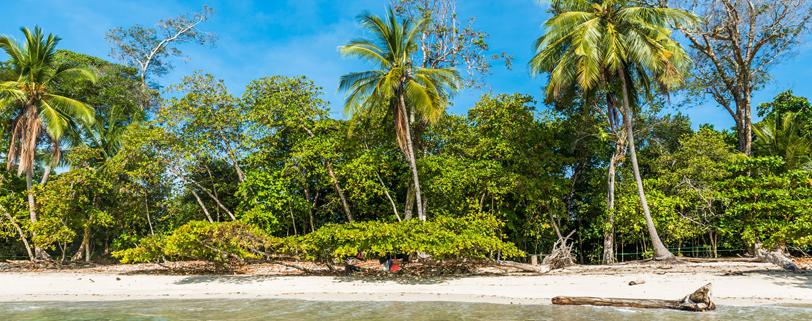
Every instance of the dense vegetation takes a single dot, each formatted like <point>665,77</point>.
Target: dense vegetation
<point>104,164</point>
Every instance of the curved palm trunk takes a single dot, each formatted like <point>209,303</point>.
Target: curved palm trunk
<point>411,157</point>
<point>660,251</point>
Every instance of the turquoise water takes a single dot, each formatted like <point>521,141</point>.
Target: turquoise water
<point>336,311</point>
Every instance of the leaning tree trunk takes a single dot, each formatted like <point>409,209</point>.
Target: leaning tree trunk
<point>776,257</point>
<point>19,231</point>
<point>344,204</point>
<point>660,251</point>
<point>411,157</point>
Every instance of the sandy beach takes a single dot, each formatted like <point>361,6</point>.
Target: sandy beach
<point>733,284</point>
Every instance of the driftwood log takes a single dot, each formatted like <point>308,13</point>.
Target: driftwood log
<point>698,301</point>
<point>778,258</point>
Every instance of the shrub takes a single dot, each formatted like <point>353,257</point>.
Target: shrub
<point>471,237</point>
<point>200,240</point>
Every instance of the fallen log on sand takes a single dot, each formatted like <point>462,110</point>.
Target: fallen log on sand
<point>698,301</point>
<point>525,267</point>
<point>778,258</point>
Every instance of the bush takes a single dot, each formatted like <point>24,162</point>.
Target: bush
<point>220,243</point>
<point>471,237</point>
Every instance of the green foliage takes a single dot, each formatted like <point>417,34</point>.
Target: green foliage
<point>766,206</point>
<point>220,243</point>
<point>470,237</point>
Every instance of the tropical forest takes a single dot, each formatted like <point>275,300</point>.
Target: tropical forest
<point>107,162</point>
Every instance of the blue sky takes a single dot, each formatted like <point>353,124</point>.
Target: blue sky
<point>300,37</point>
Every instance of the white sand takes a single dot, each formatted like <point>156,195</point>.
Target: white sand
<point>755,287</point>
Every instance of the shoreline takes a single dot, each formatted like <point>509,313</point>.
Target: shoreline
<point>736,284</point>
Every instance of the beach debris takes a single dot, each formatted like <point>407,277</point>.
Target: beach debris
<point>525,267</point>
<point>636,282</point>
<point>698,301</point>
<point>561,255</point>
<point>778,258</point>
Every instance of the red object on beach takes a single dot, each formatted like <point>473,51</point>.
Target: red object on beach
<point>395,266</point>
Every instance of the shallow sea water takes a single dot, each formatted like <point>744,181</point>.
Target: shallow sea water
<point>337,311</point>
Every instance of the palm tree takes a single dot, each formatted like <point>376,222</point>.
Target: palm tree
<point>781,134</point>
<point>398,86</point>
<point>597,44</point>
<point>34,108</point>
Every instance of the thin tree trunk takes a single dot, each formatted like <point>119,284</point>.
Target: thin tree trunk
<point>149,219</point>
<point>19,231</point>
<point>309,208</point>
<point>389,197</point>
<point>203,206</point>
<point>39,253</point>
<point>609,232</point>
<point>660,251</point>
<point>340,192</point>
<point>412,160</point>
<point>293,220</point>
<point>344,204</point>
<point>87,244</point>
<point>212,196</point>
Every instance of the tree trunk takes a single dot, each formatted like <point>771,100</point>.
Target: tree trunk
<point>744,125</point>
<point>344,204</point>
<point>149,219</point>
<point>84,248</point>
<point>340,192</point>
<point>697,301</point>
<point>19,231</point>
<point>39,253</point>
<point>409,206</point>
<point>660,251</point>
<point>389,197</point>
<point>212,196</point>
<point>309,209</point>
<point>609,233</point>
<point>203,206</point>
<point>412,160</point>
<point>777,257</point>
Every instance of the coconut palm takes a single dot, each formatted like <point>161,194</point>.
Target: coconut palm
<point>596,44</point>
<point>781,134</point>
<point>398,86</point>
<point>34,109</point>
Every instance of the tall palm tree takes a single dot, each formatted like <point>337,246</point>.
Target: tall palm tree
<point>398,86</point>
<point>595,44</point>
<point>34,108</point>
<point>781,134</point>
